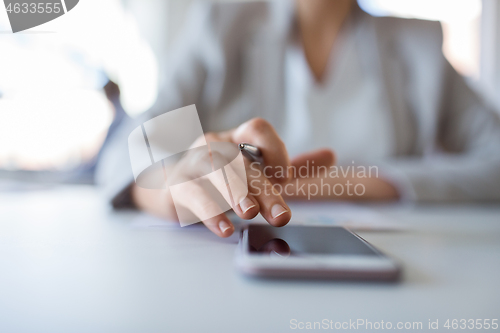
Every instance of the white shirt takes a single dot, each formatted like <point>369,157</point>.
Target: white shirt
<point>344,112</point>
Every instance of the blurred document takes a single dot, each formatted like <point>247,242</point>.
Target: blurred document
<point>351,216</point>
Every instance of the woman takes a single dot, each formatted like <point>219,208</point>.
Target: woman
<point>294,77</point>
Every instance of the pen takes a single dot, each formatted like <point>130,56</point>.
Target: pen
<point>251,152</point>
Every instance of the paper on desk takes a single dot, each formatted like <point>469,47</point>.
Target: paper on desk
<point>146,221</point>
<point>351,216</point>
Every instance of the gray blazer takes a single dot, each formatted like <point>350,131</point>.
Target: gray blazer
<point>230,63</point>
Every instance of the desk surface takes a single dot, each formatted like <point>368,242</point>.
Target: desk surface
<point>70,264</point>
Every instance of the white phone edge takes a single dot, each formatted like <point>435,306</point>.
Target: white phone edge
<point>335,267</point>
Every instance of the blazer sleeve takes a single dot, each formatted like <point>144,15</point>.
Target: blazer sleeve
<point>464,164</point>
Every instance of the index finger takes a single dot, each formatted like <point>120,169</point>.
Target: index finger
<point>262,134</point>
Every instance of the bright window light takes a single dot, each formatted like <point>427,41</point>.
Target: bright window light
<point>53,113</point>
<point>460,21</point>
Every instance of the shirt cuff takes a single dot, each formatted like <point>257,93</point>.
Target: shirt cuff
<point>401,182</point>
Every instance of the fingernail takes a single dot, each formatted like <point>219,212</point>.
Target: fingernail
<point>278,210</point>
<point>275,254</point>
<point>224,226</point>
<point>246,204</point>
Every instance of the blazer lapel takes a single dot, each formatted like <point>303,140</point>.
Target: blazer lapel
<point>395,80</point>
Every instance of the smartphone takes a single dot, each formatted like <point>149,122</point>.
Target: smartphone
<point>311,252</point>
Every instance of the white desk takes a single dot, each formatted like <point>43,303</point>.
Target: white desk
<point>69,264</point>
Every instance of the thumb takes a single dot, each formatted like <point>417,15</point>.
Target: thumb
<point>321,157</point>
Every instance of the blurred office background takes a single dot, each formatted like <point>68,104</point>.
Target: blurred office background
<point>64,85</point>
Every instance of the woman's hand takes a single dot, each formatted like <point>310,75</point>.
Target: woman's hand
<point>270,204</point>
<point>312,178</point>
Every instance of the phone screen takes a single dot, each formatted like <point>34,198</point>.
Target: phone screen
<point>304,240</point>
